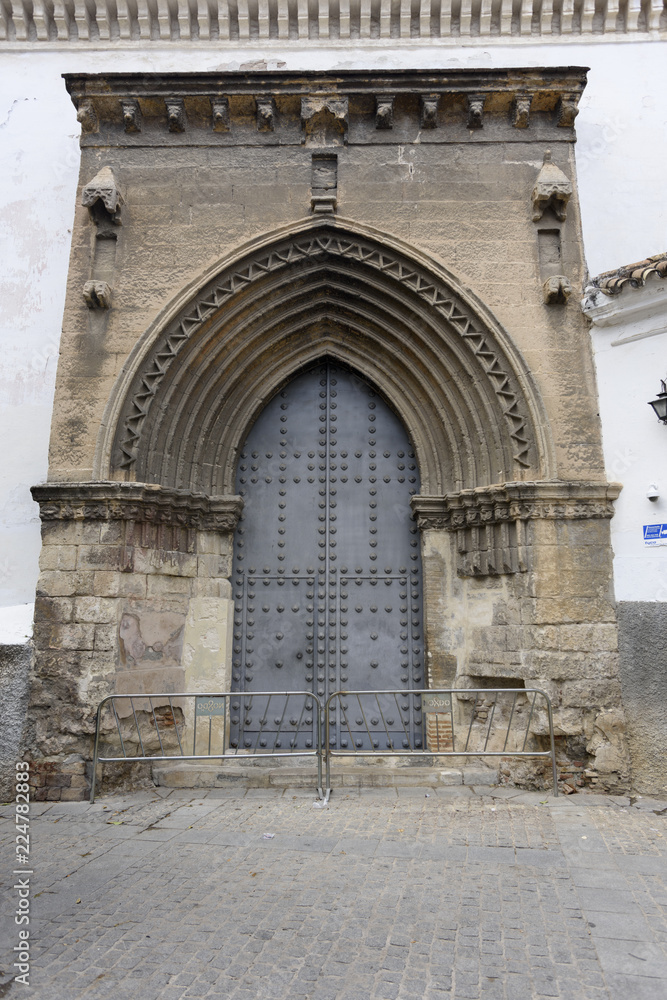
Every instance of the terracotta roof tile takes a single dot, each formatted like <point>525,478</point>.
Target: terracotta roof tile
<point>613,282</point>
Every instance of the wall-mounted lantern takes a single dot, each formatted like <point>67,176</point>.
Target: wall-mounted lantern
<point>660,403</point>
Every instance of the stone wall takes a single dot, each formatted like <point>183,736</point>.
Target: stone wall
<point>423,229</point>
<point>550,625</point>
<point>643,673</point>
<point>14,676</point>
<point>133,596</point>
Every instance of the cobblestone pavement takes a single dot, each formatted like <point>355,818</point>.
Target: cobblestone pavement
<point>388,894</point>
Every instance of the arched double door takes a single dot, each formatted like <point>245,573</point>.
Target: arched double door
<point>327,566</point>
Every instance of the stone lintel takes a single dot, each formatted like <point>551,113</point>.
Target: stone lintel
<point>137,502</point>
<point>520,501</point>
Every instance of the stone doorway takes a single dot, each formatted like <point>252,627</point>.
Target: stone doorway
<point>327,567</point>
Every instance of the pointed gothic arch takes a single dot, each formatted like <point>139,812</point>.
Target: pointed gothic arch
<point>200,375</point>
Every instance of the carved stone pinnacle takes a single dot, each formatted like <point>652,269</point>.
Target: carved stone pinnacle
<point>552,190</point>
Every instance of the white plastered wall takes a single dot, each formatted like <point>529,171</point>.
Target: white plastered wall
<point>621,153</point>
<point>630,345</point>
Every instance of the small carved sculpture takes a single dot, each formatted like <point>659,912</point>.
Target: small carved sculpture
<point>384,112</point>
<point>103,188</point>
<point>557,290</point>
<point>552,190</point>
<point>265,114</point>
<point>131,115</point>
<point>428,117</point>
<point>175,114</point>
<point>97,294</point>
<point>567,110</point>
<point>521,111</point>
<point>476,110</point>
<point>220,112</point>
<point>87,117</point>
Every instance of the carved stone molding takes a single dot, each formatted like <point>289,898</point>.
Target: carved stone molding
<point>553,190</point>
<point>292,23</point>
<point>318,246</point>
<point>137,502</point>
<point>517,502</point>
<point>329,104</point>
<point>489,522</point>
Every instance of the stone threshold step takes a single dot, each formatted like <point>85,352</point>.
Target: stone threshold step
<point>194,775</point>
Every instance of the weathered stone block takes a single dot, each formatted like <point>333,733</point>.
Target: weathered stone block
<point>53,609</point>
<point>56,583</point>
<point>105,638</point>
<point>105,557</point>
<point>167,586</point>
<point>95,609</point>
<point>71,636</point>
<point>110,584</point>
<point>70,532</point>
<point>75,794</point>
<point>165,563</point>
<point>58,557</point>
<point>213,566</point>
<point>58,780</point>
<point>587,693</point>
<point>112,532</point>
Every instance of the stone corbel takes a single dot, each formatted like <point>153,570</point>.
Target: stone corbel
<point>567,110</point>
<point>521,110</point>
<point>557,290</point>
<point>266,114</point>
<point>384,112</point>
<point>476,110</point>
<point>324,120</point>
<point>131,115</point>
<point>552,190</point>
<point>97,294</point>
<point>87,117</point>
<point>428,110</point>
<point>175,114</point>
<point>103,199</point>
<point>220,113</point>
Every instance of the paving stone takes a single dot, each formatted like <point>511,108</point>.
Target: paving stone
<point>383,896</point>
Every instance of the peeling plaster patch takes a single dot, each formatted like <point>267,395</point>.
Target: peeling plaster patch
<point>19,100</point>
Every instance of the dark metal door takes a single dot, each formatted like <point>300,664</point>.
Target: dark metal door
<point>327,568</point>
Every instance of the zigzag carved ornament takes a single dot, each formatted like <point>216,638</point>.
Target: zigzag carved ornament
<point>437,295</point>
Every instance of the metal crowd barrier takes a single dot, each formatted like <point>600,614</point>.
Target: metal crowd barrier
<point>199,726</point>
<point>464,722</point>
<point>446,722</point>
